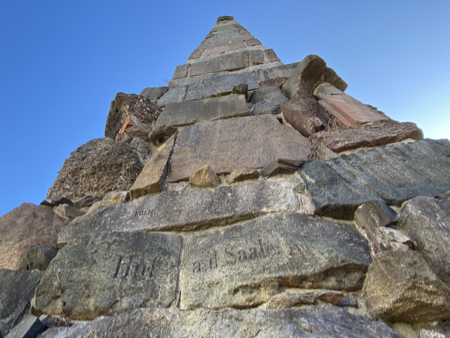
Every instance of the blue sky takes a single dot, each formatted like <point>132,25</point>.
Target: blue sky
<point>62,62</point>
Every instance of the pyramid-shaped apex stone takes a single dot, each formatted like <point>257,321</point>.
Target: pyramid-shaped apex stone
<point>224,18</point>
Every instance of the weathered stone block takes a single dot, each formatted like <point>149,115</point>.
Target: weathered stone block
<point>205,177</point>
<point>427,221</point>
<point>305,114</point>
<point>242,174</point>
<point>16,291</point>
<point>38,258</point>
<point>387,239</point>
<point>393,173</point>
<point>181,71</point>
<point>190,112</point>
<point>317,322</point>
<point>400,287</point>
<point>174,94</point>
<point>29,327</point>
<point>228,144</point>
<point>369,135</point>
<point>151,178</point>
<point>244,265</point>
<point>25,227</point>
<point>110,273</point>
<point>311,72</point>
<point>267,100</point>
<point>283,71</point>
<point>154,93</point>
<point>231,61</point>
<point>190,209</point>
<point>373,215</point>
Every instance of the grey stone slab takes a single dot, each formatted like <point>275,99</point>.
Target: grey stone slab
<point>154,93</point>
<point>16,291</point>
<point>267,100</point>
<point>393,174</point>
<point>246,264</point>
<point>232,61</point>
<point>174,94</point>
<point>253,141</point>
<point>190,112</point>
<point>372,215</point>
<point>181,71</point>
<point>109,273</point>
<point>221,85</point>
<point>191,209</point>
<point>194,79</point>
<point>29,327</point>
<point>281,71</point>
<point>426,221</point>
<point>317,322</point>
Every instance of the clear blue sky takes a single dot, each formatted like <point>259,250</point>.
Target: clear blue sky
<point>62,62</point>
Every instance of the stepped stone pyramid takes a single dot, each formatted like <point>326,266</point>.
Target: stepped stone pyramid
<point>248,198</point>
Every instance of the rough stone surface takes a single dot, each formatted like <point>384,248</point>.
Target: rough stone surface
<point>190,112</point>
<point>393,173</point>
<point>311,72</point>
<point>129,104</point>
<point>181,71</point>
<point>431,334</point>
<point>305,115</point>
<point>283,71</point>
<point>86,201</point>
<point>387,239</point>
<point>323,153</point>
<point>318,322</point>
<point>141,149</point>
<point>288,300</point>
<point>38,258</point>
<point>67,211</point>
<point>228,62</point>
<point>16,291</point>
<point>267,100</point>
<point>242,174</point>
<point>174,94</point>
<point>372,215</point>
<point>243,266</point>
<point>29,327</point>
<point>427,221</point>
<point>326,89</point>
<point>151,178</point>
<point>204,177</point>
<point>111,198</point>
<point>368,135</point>
<point>104,165</point>
<point>228,144</point>
<point>109,273</point>
<point>141,132</point>
<point>191,209</point>
<point>25,227</point>
<point>154,93</point>
<point>400,287</point>
<point>280,166</point>
<point>220,85</point>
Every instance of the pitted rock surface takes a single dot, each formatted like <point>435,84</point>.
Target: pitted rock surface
<point>109,273</point>
<point>243,266</point>
<point>104,165</point>
<point>225,145</point>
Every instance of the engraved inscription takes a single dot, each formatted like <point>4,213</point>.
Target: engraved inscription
<point>227,256</point>
<point>130,267</point>
<point>140,213</point>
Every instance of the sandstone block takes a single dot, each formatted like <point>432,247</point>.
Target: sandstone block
<point>190,112</point>
<point>317,322</point>
<point>427,221</point>
<point>151,178</point>
<point>288,300</point>
<point>326,89</point>
<point>111,198</point>
<point>305,114</point>
<point>228,144</point>
<point>373,215</point>
<point>267,100</point>
<point>310,73</point>
<point>393,173</point>
<point>25,227</point>
<point>226,204</point>
<point>242,174</point>
<point>154,93</point>
<point>400,287</point>
<point>86,201</point>
<point>129,104</point>
<point>229,62</point>
<point>222,49</point>
<point>16,291</point>
<point>245,265</point>
<point>104,165</point>
<point>205,177</point>
<point>271,55</point>
<point>110,273</point>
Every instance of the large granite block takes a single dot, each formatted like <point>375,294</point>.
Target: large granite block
<point>244,265</point>
<point>392,173</point>
<point>231,61</point>
<point>318,322</point>
<point>109,273</point>
<point>190,112</point>
<point>191,209</point>
<point>369,135</point>
<point>225,145</point>
<point>16,291</point>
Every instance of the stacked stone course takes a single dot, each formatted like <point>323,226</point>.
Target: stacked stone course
<point>248,198</point>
